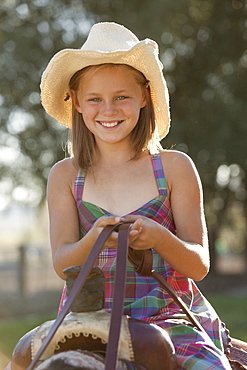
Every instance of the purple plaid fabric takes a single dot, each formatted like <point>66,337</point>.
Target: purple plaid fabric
<point>146,300</point>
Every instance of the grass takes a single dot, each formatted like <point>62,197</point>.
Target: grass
<point>11,330</point>
<point>232,311</point>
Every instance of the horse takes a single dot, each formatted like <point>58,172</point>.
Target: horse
<point>90,338</point>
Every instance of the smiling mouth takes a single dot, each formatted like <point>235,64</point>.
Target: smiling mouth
<point>109,124</point>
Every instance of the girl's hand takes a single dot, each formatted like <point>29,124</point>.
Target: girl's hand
<point>99,225</point>
<point>111,241</point>
<point>144,232</point>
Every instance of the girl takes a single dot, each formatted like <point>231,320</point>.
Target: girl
<point>113,96</point>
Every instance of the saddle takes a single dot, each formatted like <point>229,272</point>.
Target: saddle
<point>137,344</point>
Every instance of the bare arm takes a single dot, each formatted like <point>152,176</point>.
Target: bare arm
<point>187,251</point>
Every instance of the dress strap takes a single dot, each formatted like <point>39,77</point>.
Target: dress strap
<point>159,174</point>
<point>79,185</point>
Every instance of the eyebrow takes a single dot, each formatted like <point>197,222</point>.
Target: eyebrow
<point>115,92</point>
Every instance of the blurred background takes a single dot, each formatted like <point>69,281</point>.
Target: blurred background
<point>203,46</point>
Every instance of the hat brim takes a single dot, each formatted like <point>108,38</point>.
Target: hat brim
<point>143,56</point>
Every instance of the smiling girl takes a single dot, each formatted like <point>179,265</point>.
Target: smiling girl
<point>113,96</point>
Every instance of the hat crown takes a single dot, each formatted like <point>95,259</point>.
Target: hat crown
<point>109,37</point>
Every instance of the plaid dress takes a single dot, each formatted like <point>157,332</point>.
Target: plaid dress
<point>146,300</point>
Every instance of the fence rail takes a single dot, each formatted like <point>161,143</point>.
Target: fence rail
<point>27,270</point>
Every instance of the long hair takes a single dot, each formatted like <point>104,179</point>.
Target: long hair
<point>143,136</point>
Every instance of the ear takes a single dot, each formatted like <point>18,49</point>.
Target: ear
<point>144,101</point>
<point>75,100</point>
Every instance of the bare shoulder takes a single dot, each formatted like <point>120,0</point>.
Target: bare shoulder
<point>178,166</point>
<point>64,171</point>
<point>175,158</point>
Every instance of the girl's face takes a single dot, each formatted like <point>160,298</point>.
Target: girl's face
<point>109,100</point>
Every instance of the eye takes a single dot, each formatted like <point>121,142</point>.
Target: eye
<point>122,97</point>
<point>95,100</point>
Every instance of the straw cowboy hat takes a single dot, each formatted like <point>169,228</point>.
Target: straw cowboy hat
<point>107,42</point>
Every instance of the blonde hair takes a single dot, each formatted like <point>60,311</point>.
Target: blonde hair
<point>143,136</point>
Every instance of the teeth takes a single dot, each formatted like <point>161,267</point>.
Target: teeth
<point>108,124</point>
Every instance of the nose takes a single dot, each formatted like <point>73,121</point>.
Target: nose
<point>109,109</point>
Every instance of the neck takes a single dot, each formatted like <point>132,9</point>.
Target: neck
<point>113,155</point>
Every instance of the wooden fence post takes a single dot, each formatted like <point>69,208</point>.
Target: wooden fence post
<point>22,271</point>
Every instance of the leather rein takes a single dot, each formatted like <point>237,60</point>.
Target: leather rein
<point>142,260</point>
